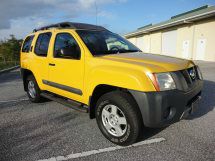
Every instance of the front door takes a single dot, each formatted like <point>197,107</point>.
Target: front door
<point>66,67</point>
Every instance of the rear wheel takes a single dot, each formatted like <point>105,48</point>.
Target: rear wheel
<point>33,89</point>
<point>118,118</point>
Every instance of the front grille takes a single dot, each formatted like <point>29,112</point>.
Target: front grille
<point>186,76</point>
<point>185,80</point>
<point>190,75</point>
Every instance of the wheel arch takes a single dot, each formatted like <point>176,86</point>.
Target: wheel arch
<point>101,90</point>
<point>24,74</point>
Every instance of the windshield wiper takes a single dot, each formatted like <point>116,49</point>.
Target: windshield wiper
<point>116,52</point>
<point>128,51</point>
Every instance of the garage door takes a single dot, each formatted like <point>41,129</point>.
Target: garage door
<point>139,43</point>
<point>200,50</point>
<point>169,43</point>
<point>132,40</point>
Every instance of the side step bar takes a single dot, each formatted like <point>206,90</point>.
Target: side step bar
<point>64,101</point>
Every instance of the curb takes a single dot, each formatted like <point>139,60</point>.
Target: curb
<point>9,69</point>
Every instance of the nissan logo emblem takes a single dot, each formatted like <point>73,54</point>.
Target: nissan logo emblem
<point>192,74</point>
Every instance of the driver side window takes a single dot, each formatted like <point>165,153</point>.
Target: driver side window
<point>66,47</point>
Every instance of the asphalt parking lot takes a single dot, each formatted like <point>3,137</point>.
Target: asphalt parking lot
<point>52,131</point>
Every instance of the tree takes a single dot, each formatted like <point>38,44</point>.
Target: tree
<point>10,49</point>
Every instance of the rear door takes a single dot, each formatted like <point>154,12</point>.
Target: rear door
<point>66,70</point>
<point>39,64</point>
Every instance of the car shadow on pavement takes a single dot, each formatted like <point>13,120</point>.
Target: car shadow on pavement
<point>148,133</point>
<point>207,102</point>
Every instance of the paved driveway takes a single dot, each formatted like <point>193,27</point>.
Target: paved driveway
<point>54,132</point>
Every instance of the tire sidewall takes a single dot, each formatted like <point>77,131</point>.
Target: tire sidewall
<point>37,97</point>
<point>122,140</point>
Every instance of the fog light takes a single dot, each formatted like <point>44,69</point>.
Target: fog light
<point>166,113</point>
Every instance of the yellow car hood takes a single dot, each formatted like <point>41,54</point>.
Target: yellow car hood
<point>151,61</point>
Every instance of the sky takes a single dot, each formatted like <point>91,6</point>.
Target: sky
<point>20,17</point>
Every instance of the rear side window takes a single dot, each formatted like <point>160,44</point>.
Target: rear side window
<point>27,44</point>
<point>42,44</point>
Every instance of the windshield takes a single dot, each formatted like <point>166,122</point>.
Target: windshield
<point>106,42</point>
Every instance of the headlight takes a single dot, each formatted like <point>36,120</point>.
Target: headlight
<point>162,81</point>
<point>199,73</point>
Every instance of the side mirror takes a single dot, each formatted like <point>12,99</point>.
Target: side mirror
<point>70,52</point>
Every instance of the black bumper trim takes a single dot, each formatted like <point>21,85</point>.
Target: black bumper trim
<point>153,105</point>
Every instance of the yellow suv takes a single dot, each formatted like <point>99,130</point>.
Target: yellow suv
<point>91,69</point>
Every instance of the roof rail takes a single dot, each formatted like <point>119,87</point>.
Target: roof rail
<point>71,25</point>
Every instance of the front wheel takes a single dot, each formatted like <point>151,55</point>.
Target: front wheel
<point>118,118</point>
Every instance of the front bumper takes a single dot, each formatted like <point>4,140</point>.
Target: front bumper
<point>160,109</point>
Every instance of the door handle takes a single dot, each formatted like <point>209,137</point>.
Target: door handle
<point>51,64</point>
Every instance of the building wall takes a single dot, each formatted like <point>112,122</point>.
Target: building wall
<point>133,40</point>
<point>194,41</point>
<point>184,47</point>
<point>169,42</point>
<point>205,31</point>
<point>155,42</point>
<point>147,43</point>
<point>140,42</point>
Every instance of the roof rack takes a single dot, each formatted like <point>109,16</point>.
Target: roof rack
<point>71,25</point>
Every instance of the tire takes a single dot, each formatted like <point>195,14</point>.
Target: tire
<point>118,118</point>
<point>33,90</point>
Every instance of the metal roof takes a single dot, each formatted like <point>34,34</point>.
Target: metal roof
<point>71,25</point>
<point>187,17</point>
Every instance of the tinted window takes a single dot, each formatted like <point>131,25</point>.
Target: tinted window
<point>106,42</point>
<point>27,44</point>
<point>42,44</point>
<point>66,47</point>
